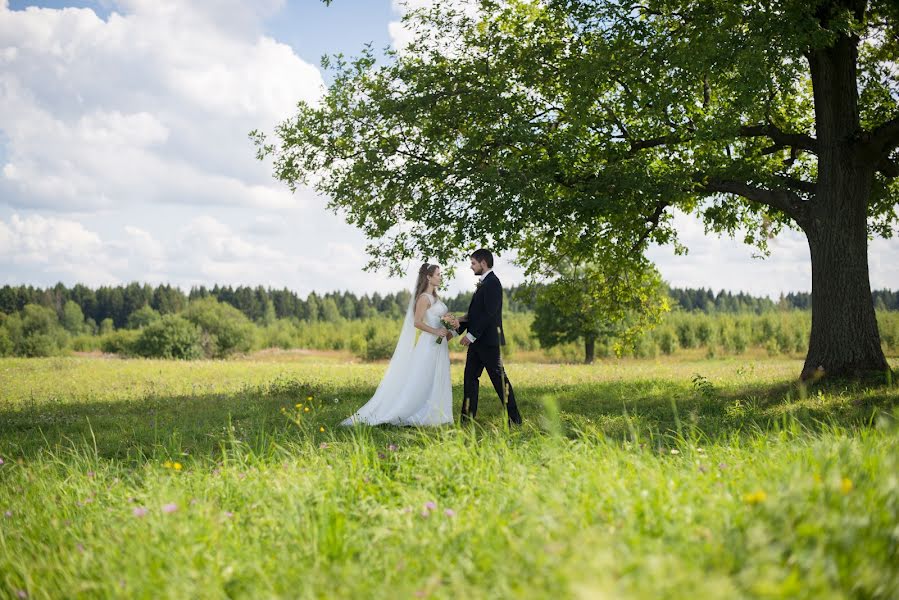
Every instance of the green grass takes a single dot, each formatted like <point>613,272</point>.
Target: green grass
<point>630,479</point>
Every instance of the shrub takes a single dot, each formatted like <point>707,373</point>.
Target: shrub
<point>228,330</point>
<point>120,342</point>
<point>142,317</point>
<point>667,341</point>
<point>170,337</point>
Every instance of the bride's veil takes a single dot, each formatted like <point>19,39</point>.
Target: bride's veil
<point>395,377</point>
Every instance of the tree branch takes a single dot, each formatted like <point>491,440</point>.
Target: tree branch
<point>885,138</point>
<point>781,138</point>
<point>783,200</point>
<point>653,222</point>
<point>888,168</point>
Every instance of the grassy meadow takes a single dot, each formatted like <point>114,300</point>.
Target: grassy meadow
<point>673,477</point>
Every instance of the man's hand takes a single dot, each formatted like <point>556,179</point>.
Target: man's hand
<point>465,341</point>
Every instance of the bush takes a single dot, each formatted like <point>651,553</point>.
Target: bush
<point>667,341</point>
<point>142,317</point>
<point>6,345</point>
<point>228,330</point>
<point>170,337</point>
<point>122,342</point>
<point>685,335</point>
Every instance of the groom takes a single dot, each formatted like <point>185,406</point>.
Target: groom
<point>484,322</point>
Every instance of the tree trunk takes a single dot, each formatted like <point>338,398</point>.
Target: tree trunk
<point>844,338</point>
<point>589,349</point>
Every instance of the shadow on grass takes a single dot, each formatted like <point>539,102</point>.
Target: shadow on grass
<point>165,426</point>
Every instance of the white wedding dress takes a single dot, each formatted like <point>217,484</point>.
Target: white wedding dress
<point>416,389</point>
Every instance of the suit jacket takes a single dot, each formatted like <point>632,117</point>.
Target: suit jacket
<point>485,313</point>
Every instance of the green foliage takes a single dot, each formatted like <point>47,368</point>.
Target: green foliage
<point>72,318</point>
<point>142,317</point>
<point>226,329</point>
<point>597,303</point>
<point>124,342</point>
<point>171,336</point>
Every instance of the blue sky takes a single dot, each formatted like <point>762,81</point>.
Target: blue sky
<point>124,154</point>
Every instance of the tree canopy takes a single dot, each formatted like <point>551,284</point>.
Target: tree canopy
<point>574,128</point>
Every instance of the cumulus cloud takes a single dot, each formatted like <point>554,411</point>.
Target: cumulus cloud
<point>151,105</point>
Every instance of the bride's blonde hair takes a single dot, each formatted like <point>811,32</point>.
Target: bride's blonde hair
<point>426,270</point>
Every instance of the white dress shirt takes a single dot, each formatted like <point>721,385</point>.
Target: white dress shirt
<point>470,337</point>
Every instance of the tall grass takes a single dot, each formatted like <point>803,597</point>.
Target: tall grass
<point>675,479</point>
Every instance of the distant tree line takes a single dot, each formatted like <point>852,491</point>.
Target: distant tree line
<point>116,304</point>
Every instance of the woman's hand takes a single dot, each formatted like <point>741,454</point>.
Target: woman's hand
<point>441,332</point>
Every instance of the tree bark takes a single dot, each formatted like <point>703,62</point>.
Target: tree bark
<point>844,339</point>
<point>589,349</point>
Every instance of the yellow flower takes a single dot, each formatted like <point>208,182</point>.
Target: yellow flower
<point>756,497</point>
<point>177,466</point>
<point>322,429</point>
<point>299,405</point>
<point>817,478</point>
<point>846,485</point>
<point>306,409</point>
<point>309,398</point>
<point>167,464</point>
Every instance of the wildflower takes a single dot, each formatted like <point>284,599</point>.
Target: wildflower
<point>392,447</point>
<point>702,469</point>
<point>675,451</point>
<point>700,450</point>
<point>846,485</point>
<point>299,405</point>
<point>430,506</point>
<point>306,409</point>
<point>167,464</point>
<point>139,511</point>
<point>381,455</point>
<point>169,508</point>
<point>756,497</point>
<point>21,593</point>
<point>80,547</point>
<point>1,461</point>
<point>309,398</point>
<point>816,478</point>
<point>322,429</point>
<point>722,466</point>
<point>8,514</point>
<point>177,466</point>
<point>229,514</point>
<point>323,445</point>
<point>90,474</point>
<point>449,512</point>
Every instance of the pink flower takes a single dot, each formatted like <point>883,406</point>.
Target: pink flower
<point>22,594</point>
<point>449,512</point>
<point>8,514</point>
<point>1,462</point>
<point>90,474</point>
<point>392,447</point>
<point>323,445</point>
<point>139,511</point>
<point>169,508</point>
<point>229,514</point>
<point>430,506</point>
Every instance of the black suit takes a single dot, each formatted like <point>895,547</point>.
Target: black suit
<point>485,323</point>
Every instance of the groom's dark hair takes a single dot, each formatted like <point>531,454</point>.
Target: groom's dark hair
<point>482,255</point>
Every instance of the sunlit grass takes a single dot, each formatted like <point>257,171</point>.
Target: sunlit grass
<point>629,480</point>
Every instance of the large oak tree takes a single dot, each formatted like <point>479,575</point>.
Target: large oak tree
<point>574,128</point>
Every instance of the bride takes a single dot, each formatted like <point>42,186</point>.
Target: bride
<point>416,389</point>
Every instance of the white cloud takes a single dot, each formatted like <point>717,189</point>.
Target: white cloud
<point>152,105</point>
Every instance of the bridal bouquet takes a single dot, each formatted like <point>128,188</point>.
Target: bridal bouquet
<point>448,321</point>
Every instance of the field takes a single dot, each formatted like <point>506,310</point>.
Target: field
<point>677,477</point>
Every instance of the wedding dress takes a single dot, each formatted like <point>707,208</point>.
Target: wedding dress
<point>416,389</point>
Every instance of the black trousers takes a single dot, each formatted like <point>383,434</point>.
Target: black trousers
<point>482,357</point>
